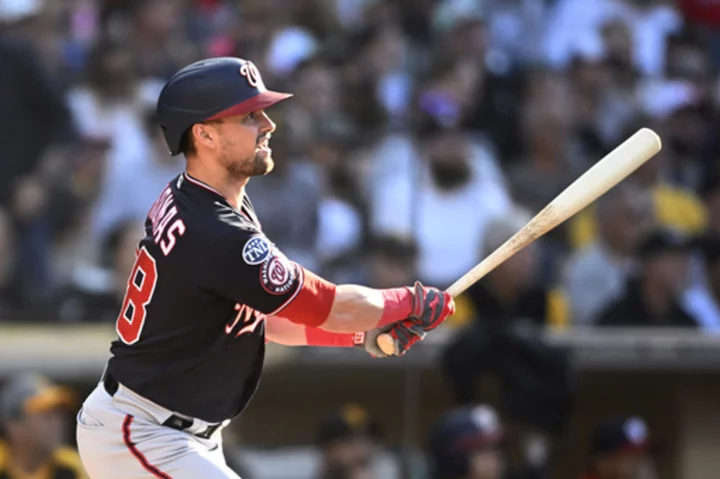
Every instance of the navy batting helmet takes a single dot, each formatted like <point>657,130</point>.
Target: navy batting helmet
<point>459,433</point>
<point>209,90</point>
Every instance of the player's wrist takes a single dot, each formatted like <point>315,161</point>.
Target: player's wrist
<point>398,305</point>
<point>320,338</point>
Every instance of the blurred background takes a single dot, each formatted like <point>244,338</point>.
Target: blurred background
<point>422,135</point>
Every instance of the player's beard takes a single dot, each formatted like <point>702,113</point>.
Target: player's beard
<point>260,163</point>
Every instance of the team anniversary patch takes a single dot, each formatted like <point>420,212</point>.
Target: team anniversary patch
<point>277,273</point>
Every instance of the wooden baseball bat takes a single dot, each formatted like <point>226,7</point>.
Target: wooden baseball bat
<point>595,182</point>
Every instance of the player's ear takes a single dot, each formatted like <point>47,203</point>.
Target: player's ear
<point>205,136</point>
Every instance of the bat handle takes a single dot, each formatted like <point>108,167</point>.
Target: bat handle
<point>386,343</point>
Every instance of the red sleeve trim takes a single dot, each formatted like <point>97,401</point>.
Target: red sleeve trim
<point>398,306</point>
<point>318,337</point>
<point>311,303</point>
<point>301,280</point>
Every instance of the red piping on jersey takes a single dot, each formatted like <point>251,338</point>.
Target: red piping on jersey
<point>139,455</point>
<point>210,188</point>
<point>312,301</point>
<point>201,184</point>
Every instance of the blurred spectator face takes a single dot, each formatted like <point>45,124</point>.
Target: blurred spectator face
<point>546,133</point>
<point>42,432</point>
<point>668,271</point>
<point>317,89</point>
<point>623,219</point>
<point>520,267</point>
<point>486,464</point>
<point>620,448</point>
<point>392,262</point>
<point>33,409</point>
<point>385,52</point>
<point>590,76</point>
<point>449,159</point>
<point>346,441</point>
<point>459,80</point>
<point>468,39</point>
<point>685,133</point>
<point>349,459</point>
<point>112,71</point>
<point>159,17</point>
<point>390,273</point>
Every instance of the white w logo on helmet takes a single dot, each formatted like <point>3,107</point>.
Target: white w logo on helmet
<point>252,75</point>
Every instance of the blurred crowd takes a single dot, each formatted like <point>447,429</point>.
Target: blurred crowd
<point>423,133</point>
<point>470,442</point>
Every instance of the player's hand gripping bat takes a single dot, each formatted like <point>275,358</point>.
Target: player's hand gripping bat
<point>595,182</point>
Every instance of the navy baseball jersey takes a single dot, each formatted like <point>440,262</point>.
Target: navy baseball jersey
<point>191,328</point>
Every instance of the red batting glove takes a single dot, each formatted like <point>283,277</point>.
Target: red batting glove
<point>431,307</point>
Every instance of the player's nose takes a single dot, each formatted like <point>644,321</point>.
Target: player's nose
<point>266,124</point>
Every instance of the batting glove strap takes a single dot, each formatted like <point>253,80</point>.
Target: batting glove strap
<point>431,307</point>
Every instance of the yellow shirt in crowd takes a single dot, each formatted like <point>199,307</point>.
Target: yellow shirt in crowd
<point>675,208</point>
<point>64,464</point>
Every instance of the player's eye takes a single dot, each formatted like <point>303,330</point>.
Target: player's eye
<point>251,116</point>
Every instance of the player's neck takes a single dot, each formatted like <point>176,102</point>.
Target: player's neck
<point>232,189</point>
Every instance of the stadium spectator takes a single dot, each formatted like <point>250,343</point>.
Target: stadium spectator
<point>443,180</point>
<point>467,443</point>
<point>597,273</point>
<point>620,449</point>
<point>32,412</point>
<point>652,295</point>
<point>347,440</point>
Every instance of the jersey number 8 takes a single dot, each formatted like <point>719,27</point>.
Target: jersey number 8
<point>140,289</point>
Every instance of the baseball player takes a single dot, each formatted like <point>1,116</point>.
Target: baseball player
<point>467,443</point>
<point>208,289</point>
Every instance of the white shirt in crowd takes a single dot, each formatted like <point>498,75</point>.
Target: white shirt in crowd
<point>448,226</point>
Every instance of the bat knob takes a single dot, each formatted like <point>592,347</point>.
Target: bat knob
<point>386,343</point>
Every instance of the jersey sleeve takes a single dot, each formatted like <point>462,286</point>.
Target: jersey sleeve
<point>249,269</point>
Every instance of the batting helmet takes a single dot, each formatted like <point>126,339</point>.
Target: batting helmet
<point>209,90</point>
<point>456,435</point>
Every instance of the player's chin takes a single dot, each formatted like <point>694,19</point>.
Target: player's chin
<point>264,162</point>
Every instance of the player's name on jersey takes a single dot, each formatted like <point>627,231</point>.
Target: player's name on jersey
<point>161,214</point>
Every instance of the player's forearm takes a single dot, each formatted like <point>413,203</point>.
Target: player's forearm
<point>358,308</point>
<point>283,331</point>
